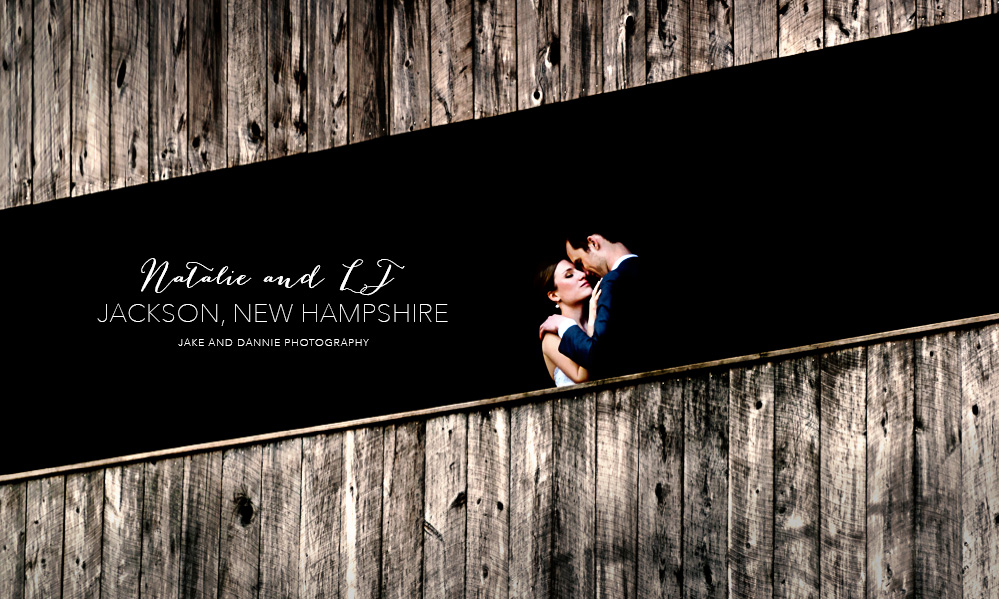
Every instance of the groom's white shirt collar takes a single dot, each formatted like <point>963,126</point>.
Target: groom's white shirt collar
<point>572,323</point>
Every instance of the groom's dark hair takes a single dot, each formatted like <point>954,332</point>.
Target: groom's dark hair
<point>577,236</point>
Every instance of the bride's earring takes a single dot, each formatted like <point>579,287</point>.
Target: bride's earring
<point>557,307</point>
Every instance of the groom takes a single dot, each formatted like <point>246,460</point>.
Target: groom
<point>616,345</point>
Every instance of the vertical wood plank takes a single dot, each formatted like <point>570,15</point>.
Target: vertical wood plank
<point>980,465</point>
<point>361,521</point>
<point>751,491</point>
<point>239,541</point>
<point>52,126</point>
<point>623,44</point>
<point>937,473</point>
<point>796,478</point>
<point>246,88</point>
<point>402,511</point>
<point>280,518</point>
<point>667,39</point>
<point>937,12</point>
<point>16,80</point>
<point>13,499</point>
<point>660,490</point>
<point>487,545</point>
<point>886,17</point>
<point>368,69</point>
<point>574,497</point>
<point>162,510</point>
<point>322,496</point>
<point>168,89</point>
<point>327,94</point>
<point>122,537</point>
<point>755,31</point>
<point>712,46</point>
<point>844,21</point>
<point>199,549</point>
<point>494,61</point>
<point>446,506</point>
<point>82,545</point>
<point>129,162</point>
<point>538,53</point>
<point>617,492</point>
<point>206,71</point>
<point>978,8</point>
<point>799,26</point>
<point>91,104</point>
<point>582,48</point>
<point>843,384</point>
<point>44,538</point>
<point>531,465</point>
<point>288,77</point>
<point>890,451</point>
<point>705,480</point>
<point>451,61</point>
<point>409,52</point>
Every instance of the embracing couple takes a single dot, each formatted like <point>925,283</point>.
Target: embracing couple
<point>599,329</point>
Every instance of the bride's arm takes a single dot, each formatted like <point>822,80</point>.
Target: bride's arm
<point>575,372</point>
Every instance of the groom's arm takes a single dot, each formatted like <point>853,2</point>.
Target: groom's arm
<point>581,348</point>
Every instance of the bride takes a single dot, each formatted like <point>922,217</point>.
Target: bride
<point>570,290</point>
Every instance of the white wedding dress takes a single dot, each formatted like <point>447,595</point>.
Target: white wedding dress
<point>561,380</point>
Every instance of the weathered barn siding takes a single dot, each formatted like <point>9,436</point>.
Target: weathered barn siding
<point>101,94</point>
<point>865,471</point>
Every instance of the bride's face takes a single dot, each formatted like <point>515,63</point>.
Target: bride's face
<point>571,285</point>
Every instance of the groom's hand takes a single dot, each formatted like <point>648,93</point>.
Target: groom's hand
<point>552,324</point>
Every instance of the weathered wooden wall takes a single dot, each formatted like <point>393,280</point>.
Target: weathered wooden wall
<point>102,94</point>
<point>865,471</point>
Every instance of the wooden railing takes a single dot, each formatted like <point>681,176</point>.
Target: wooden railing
<point>866,467</point>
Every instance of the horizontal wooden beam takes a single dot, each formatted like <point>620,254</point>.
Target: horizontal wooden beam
<point>505,400</point>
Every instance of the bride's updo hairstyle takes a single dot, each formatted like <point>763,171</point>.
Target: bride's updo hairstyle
<point>545,279</point>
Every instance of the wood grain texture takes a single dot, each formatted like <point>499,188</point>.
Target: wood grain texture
<point>796,478</point>
<point>361,520</point>
<point>890,454</point>
<point>712,44</point>
<point>451,47</point>
<point>168,89</point>
<point>246,87</point>
<point>82,541</point>
<point>582,48</point>
<point>574,496</point>
<point>53,27</point>
<point>368,87</point>
<point>531,464</point>
<point>706,480</point>
<point>937,12</point>
<point>660,489</point>
<point>16,37</point>
<point>44,538</point>
<point>13,498</point>
<point>755,31</point>
<point>402,511</point>
<point>617,492</point>
<point>799,26</point>
<point>90,98</point>
<point>280,518</point>
<point>322,496</point>
<point>206,71</point>
<point>980,461</point>
<point>162,512</point>
<point>667,39</point>
<point>487,542</point>
<point>122,536</point>
<point>327,96</point>
<point>129,161</point>
<point>287,77</point>
<point>845,21</point>
<point>623,44</point>
<point>751,488</point>
<point>842,515</point>
<point>409,60</point>
<point>239,540</point>
<point>937,472</point>
<point>538,53</point>
<point>978,8</point>
<point>886,17</point>
<point>202,510</point>
<point>445,506</point>
<point>494,60</point>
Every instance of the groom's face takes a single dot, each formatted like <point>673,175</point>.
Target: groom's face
<point>590,260</point>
